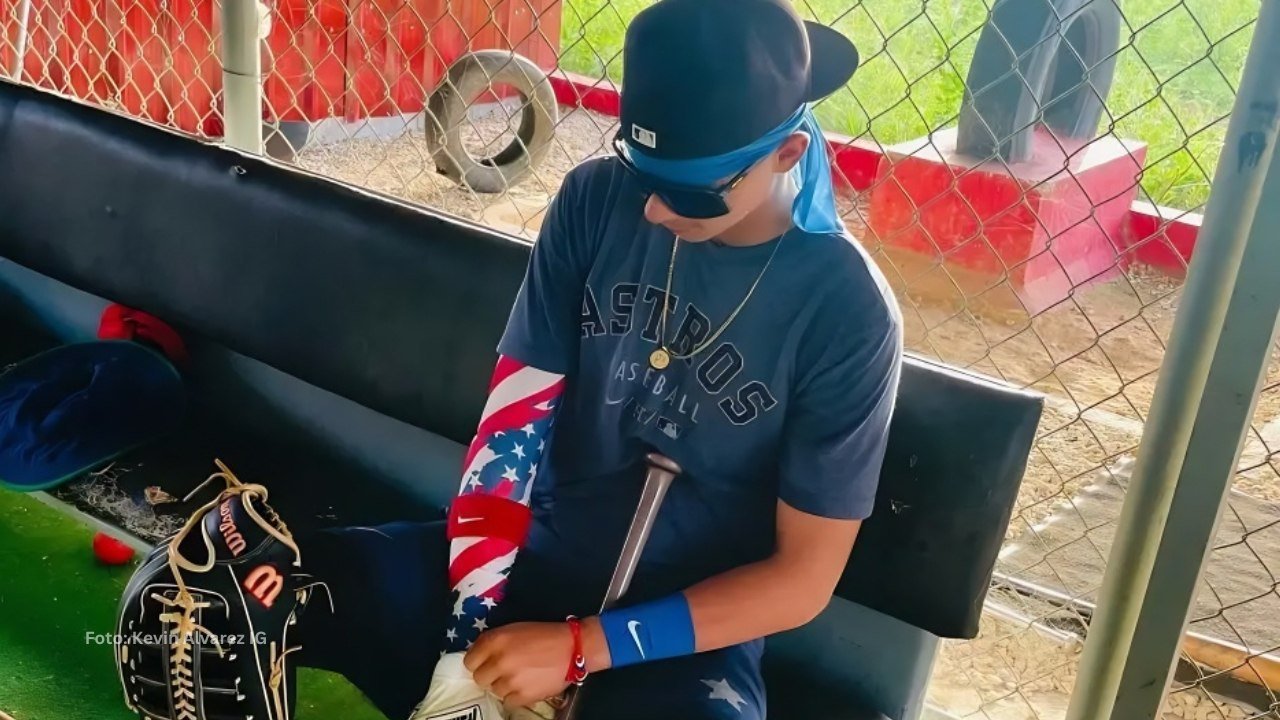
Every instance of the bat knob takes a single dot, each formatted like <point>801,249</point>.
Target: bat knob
<point>662,462</point>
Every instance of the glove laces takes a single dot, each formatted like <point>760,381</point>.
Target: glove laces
<point>183,605</point>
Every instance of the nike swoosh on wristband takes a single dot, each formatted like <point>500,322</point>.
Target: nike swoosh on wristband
<point>462,520</point>
<point>632,626</point>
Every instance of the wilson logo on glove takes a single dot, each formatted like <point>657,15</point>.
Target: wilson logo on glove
<point>264,584</point>
<point>194,597</point>
<point>232,537</point>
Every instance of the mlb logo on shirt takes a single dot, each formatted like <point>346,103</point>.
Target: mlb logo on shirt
<point>647,138</point>
<point>669,428</point>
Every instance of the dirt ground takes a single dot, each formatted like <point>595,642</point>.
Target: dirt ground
<point>395,160</point>
<point>1094,355</point>
<point>1015,672</point>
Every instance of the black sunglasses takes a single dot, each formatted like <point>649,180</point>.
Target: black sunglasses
<point>695,203</point>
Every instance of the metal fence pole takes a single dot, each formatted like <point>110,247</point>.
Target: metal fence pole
<point>22,36</point>
<point>1197,332</point>
<point>241,75</point>
<point>1231,394</point>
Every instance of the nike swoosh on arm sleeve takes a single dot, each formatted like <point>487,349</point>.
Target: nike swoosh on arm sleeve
<point>489,519</point>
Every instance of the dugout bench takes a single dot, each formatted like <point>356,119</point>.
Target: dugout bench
<point>340,339</point>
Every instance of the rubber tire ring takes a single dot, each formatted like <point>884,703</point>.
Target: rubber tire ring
<point>447,116</point>
<point>1026,39</point>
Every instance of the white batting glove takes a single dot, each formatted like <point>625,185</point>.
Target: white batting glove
<point>453,695</point>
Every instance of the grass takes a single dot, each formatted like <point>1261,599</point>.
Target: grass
<point>53,592</point>
<point>1177,69</point>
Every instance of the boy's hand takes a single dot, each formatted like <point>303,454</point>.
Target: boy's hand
<point>522,663</point>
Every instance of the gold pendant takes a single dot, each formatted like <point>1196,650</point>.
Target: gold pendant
<point>659,359</point>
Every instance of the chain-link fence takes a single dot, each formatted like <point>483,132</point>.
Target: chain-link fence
<point>1030,248</point>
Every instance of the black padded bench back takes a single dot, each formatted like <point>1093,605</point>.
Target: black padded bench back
<point>400,309</point>
<point>958,446</point>
<point>397,308</point>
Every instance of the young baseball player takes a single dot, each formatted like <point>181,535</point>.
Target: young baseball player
<point>696,294</point>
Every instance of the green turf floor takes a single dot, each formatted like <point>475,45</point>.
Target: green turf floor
<point>53,593</point>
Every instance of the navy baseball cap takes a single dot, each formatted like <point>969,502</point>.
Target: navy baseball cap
<point>706,77</point>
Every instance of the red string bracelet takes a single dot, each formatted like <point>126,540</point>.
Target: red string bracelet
<point>578,662</point>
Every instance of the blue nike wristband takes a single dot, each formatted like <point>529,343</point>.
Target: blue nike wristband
<point>649,631</point>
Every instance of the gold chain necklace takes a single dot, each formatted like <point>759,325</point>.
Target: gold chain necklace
<point>663,355</point>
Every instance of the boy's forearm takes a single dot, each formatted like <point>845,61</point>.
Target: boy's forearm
<point>489,518</point>
<point>736,606</point>
<point>781,592</point>
<point>753,601</point>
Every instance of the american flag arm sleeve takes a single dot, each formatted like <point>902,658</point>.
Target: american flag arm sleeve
<point>489,518</point>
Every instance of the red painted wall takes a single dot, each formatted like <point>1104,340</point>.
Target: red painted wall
<point>324,58</point>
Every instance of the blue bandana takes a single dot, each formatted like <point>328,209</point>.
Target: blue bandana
<point>814,209</point>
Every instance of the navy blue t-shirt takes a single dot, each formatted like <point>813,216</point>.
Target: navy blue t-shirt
<point>791,402</point>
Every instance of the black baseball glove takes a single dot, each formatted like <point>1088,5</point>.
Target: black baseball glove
<point>208,622</point>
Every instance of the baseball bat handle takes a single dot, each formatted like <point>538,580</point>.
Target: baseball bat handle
<point>662,470</point>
